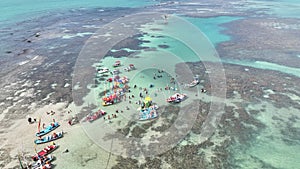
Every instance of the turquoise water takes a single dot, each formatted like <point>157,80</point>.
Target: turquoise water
<point>276,146</point>
<point>212,27</point>
<point>17,10</point>
<point>266,66</point>
<point>267,150</point>
<point>175,46</point>
<point>279,8</point>
<point>190,46</point>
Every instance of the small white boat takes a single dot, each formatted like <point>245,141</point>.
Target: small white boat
<point>117,63</point>
<point>129,68</point>
<point>176,98</point>
<point>116,71</point>
<point>195,82</point>
<point>103,70</point>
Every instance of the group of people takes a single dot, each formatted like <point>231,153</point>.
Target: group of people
<point>31,120</point>
<point>110,117</point>
<point>51,112</point>
<point>158,76</point>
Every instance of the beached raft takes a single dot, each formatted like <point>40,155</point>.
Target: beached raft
<point>95,116</point>
<point>129,68</point>
<point>103,70</point>
<point>49,138</point>
<point>48,129</point>
<point>110,99</point>
<point>117,63</point>
<point>47,150</point>
<point>148,113</point>
<point>176,98</point>
<point>107,103</point>
<point>45,166</point>
<point>43,162</point>
<point>195,82</point>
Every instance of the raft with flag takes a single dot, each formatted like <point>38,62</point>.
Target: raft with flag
<point>94,116</point>
<point>176,98</point>
<point>148,110</point>
<point>47,150</point>
<point>48,129</point>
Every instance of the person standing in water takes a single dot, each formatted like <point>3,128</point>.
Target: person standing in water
<point>165,18</point>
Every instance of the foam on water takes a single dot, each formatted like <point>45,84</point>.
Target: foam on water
<point>77,35</point>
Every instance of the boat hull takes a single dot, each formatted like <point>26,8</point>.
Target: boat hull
<point>48,129</point>
<point>50,138</point>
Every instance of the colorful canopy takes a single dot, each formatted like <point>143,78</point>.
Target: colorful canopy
<point>148,98</point>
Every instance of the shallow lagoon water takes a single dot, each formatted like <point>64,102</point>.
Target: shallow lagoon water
<point>262,148</point>
<point>276,146</point>
<point>212,27</point>
<point>267,149</point>
<point>266,66</point>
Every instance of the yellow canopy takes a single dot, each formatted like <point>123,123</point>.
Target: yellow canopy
<point>148,98</point>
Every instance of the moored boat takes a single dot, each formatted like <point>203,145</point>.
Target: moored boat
<point>42,162</point>
<point>117,63</point>
<point>116,72</point>
<point>48,129</point>
<point>45,166</point>
<point>47,150</point>
<point>107,103</point>
<point>130,67</point>
<point>148,113</point>
<point>148,109</point>
<point>49,138</point>
<point>96,115</point>
<point>103,70</point>
<point>195,82</point>
<point>176,98</point>
<point>109,100</point>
